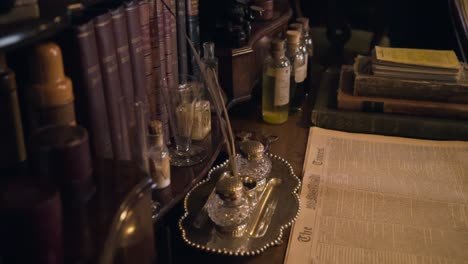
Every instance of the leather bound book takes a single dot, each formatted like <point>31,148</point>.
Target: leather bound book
<point>93,91</point>
<point>110,76</point>
<point>144,8</point>
<point>193,32</point>
<point>347,101</point>
<point>160,26</point>
<point>181,41</point>
<point>119,22</point>
<point>172,16</point>
<point>136,50</point>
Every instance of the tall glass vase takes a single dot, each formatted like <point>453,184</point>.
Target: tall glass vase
<point>181,99</point>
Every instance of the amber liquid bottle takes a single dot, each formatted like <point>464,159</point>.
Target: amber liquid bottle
<point>276,85</point>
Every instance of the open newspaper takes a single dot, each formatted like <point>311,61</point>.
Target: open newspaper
<point>377,199</point>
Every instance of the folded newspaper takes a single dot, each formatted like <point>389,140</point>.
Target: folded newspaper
<point>378,199</point>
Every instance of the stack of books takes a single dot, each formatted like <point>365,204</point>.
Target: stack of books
<point>400,92</point>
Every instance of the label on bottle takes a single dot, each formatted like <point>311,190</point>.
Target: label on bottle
<point>282,77</point>
<point>300,72</point>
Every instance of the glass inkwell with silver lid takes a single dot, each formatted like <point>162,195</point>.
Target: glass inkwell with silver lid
<point>254,165</point>
<point>229,209</point>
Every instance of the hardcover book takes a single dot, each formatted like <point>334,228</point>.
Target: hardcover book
<point>326,115</point>
<point>181,34</point>
<point>111,80</point>
<point>91,81</point>
<point>119,22</point>
<point>367,84</point>
<point>147,56</point>
<point>136,51</point>
<point>193,32</point>
<point>347,101</point>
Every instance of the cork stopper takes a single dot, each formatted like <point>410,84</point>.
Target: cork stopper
<point>229,188</point>
<point>296,26</point>
<point>155,127</point>
<point>51,85</point>
<point>252,149</point>
<point>293,37</point>
<point>156,130</point>
<point>277,45</point>
<point>305,22</point>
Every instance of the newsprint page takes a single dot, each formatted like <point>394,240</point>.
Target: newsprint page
<point>376,199</point>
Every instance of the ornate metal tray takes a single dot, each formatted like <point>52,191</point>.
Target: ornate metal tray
<point>278,211</point>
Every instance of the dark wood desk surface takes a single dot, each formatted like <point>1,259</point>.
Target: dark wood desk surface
<point>291,145</point>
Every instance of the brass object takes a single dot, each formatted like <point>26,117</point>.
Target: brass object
<point>266,224</point>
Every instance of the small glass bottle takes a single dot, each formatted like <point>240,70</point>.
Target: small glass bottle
<point>302,45</point>
<point>229,210</point>
<point>158,156</point>
<point>255,164</point>
<point>298,72</point>
<point>306,35</point>
<point>276,84</point>
<point>209,58</point>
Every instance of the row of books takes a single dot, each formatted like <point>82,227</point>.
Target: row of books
<point>118,59</point>
<point>400,92</point>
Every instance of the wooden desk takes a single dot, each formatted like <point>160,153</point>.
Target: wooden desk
<point>291,145</point>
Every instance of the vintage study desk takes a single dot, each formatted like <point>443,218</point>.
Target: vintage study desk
<point>291,145</point>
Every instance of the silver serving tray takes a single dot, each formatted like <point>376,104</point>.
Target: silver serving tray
<point>279,211</point>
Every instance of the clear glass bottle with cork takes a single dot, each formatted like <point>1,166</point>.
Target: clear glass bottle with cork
<point>309,43</point>
<point>276,84</point>
<point>302,44</point>
<point>298,71</point>
<point>158,156</point>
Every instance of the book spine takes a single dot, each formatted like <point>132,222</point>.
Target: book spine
<point>110,76</point>
<point>181,34</point>
<point>161,56</point>
<point>119,23</point>
<point>366,85</point>
<point>144,7</point>
<point>136,51</point>
<point>384,124</point>
<point>93,90</point>
<point>175,56</point>
<point>193,31</point>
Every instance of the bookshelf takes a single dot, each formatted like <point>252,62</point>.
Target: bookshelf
<point>120,185</point>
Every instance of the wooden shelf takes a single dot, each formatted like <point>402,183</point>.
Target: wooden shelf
<point>51,21</point>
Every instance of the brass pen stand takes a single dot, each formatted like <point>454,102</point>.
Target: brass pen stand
<point>276,208</point>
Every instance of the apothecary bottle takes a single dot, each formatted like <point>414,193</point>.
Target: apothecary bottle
<point>309,43</point>
<point>276,84</point>
<point>299,70</point>
<point>158,156</point>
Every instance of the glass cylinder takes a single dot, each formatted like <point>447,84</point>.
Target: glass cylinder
<point>182,99</point>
